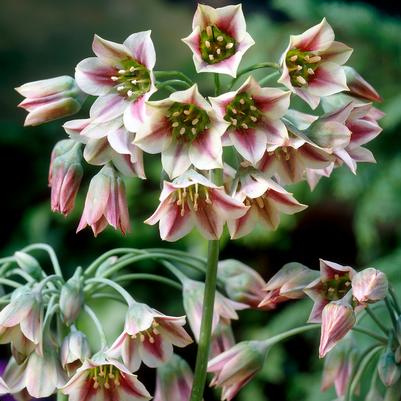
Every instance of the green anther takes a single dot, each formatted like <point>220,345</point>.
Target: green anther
<point>301,66</point>
<point>187,121</point>
<point>242,112</point>
<point>216,45</point>
<point>336,288</point>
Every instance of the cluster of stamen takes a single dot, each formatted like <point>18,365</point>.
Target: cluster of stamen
<point>337,287</point>
<point>132,79</point>
<point>242,112</point>
<point>192,194</point>
<point>149,334</point>
<point>282,153</point>
<point>104,376</point>
<point>301,66</point>
<point>259,202</point>
<point>187,121</point>
<point>216,45</point>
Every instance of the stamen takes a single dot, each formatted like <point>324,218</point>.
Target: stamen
<point>122,71</point>
<point>187,112</point>
<point>120,88</point>
<point>195,121</point>
<point>132,69</point>
<point>193,130</point>
<point>299,67</point>
<point>242,101</point>
<point>176,114</point>
<point>331,290</point>
<point>253,108</point>
<point>209,30</point>
<point>207,44</point>
<point>107,385</point>
<point>218,51</point>
<point>244,125</point>
<point>211,57</point>
<point>234,111</point>
<point>130,93</point>
<point>175,124</point>
<point>301,80</point>
<point>260,203</point>
<point>220,38</point>
<point>347,283</point>
<point>156,332</point>
<point>207,200</point>
<point>336,276</point>
<point>234,121</point>
<point>229,45</point>
<point>182,131</point>
<point>294,58</point>
<point>314,59</point>
<point>253,118</point>
<point>134,82</point>
<point>114,78</point>
<point>142,337</point>
<point>95,385</point>
<point>310,71</point>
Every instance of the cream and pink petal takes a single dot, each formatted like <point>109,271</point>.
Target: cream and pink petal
<point>141,48</point>
<point>206,151</point>
<point>318,38</point>
<point>250,143</point>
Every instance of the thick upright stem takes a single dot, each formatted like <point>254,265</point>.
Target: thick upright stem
<point>61,396</point>
<point>206,325</point>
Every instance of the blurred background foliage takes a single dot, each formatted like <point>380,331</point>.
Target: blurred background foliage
<point>353,220</point>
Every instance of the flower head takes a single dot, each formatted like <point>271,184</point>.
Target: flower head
<point>149,337</point>
<point>312,64</point>
<point>219,39</point>
<point>185,130</point>
<point>192,200</point>
<point>50,99</point>
<point>369,285</point>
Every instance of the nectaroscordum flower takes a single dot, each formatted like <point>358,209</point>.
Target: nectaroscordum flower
<point>219,39</point>
<point>50,99</point>
<point>149,337</point>
<point>103,378</point>
<point>312,64</point>
<point>185,130</point>
<point>254,116</point>
<point>121,75</point>
<point>192,200</point>
<point>359,87</point>
<point>222,338</point>
<point>369,285</point>
<point>105,203</point>
<point>74,351</point>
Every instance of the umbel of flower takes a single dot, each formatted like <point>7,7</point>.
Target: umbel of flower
<point>105,203</point>
<point>312,64</point>
<point>266,201</point>
<point>254,116</point>
<point>234,368</point>
<point>219,39</point>
<point>74,350</point>
<point>121,75</point>
<point>192,200</point>
<point>71,298</point>
<point>185,130</point>
<point>50,99</point>
<point>103,378</point>
<point>369,285</point>
<point>65,175</point>
<point>149,337</point>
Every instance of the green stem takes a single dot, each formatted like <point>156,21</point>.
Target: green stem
<point>177,252</point>
<point>151,277</point>
<point>7,259</point>
<point>172,82</point>
<point>370,334</point>
<point>216,84</point>
<point>21,273</point>
<point>52,255</point>
<point>395,300</point>
<point>253,68</point>
<point>172,74</point>
<point>125,294</point>
<point>290,333</point>
<point>391,313</point>
<point>181,276</point>
<point>267,78</point>
<point>99,327</point>
<point>61,396</point>
<point>10,283</point>
<point>377,321</point>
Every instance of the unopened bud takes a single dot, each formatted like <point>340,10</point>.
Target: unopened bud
<point>71,298</point>
<point>29,264</point>
<point>389,370</point>
<point>369,285</point>
<point>359,87</point>
<point>74,350</point>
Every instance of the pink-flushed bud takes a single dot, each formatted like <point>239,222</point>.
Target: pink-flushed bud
<point>222,338</point>
<point>149,337</point>
<point>174,380</point>
<point>106,203</point>
<point>65,175</point>
<point>74,350</point>
<point>29,264</point>
<point>72,298</point>
<point>359,87</point>
<point>241,282</point>
<point>369,286</point>
<point>389,370</point>
<point>234,368</point>
<point>50,99</point>
<point>288,283</point>
<point>338,318</point>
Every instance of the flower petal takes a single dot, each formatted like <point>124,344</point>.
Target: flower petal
<point>156,351</point>
<point>318,38</point>
<point>141,47</point>
<point>108,107</point>
<point>250,143</point>
<point>329,79</point>
<point>175,159</point>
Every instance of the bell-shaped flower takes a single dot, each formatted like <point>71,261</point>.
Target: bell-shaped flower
<point>224,308</point>
<point>149,337</point>
<point>359,87</point>
<point>50,99</point>
<point>219,39</point>
<point>72,298</point>
<point>65,175</point>
<point>234,368</point>
<point>254,116</point>
<point>74,351</point>
<point>266,200</point>
<point>222,338</point>
<point>192,200</point>
<point>332,285</point>
<point>338,318</point>
<point>388,368</point>
<point>241,282</point>
<point>105,203</point>
<point>103,378</point>
<point>185,130</point>
<point>312,64</point>
<point>121,75</point>
<point>288,283</point>
<point>313,176</point>
<point>369,285</point>
<point>174,380</point>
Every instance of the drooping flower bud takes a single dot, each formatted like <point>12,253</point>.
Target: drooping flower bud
<point>174,380</point>
<point>74,350</point>
<point>359,87</point>
<point>369,285</point>
<point>389,370</point>
<point>222,338</point>
<point>71,298</point>
<point>50,99</point>
<point>29,264</point>
<point>65,175</point>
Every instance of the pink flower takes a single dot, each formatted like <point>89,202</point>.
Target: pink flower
<point>219,39</point>
<point>149,337</point>
<point>185,130</point>
<point>359,87</point>
<point>254,116</point>
<point>65,175</point>
<point>50,99</point>
<point>266,200</point>
<point>192,200</point>
<point>102,379</point>
<point>234,368</point>
<point>369,286</point>
<point>333,284</point>
<point>121,75</point>
<point>105,203</point>
<point>312,64</point>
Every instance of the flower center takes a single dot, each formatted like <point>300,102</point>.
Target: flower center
<point>191,196</point>
<point>242,112</point>
<point>132,79</point>
<point>337,287</point>
<point>187,121</point>
<point>104,376</point>
<point>150,333</point>
<point>282,153</point>
<point>259,202</point>
<point>216,45</point>
<point>301,66</point>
